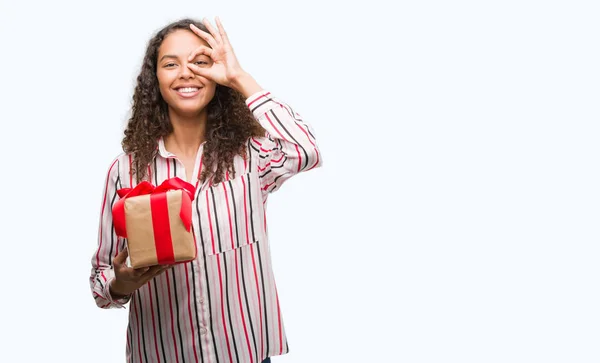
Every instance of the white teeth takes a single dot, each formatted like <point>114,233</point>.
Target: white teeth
<point>188,89</point>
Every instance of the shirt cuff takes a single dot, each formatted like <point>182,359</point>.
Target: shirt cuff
<point>261,102</point>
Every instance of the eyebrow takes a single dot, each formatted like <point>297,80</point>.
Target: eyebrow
<point>167,56</point>
<point>175,57</point>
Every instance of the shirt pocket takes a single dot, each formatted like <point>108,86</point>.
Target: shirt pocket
<point>232,214</point>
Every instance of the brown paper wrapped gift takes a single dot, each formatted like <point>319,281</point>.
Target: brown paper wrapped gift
<point>156,222</point>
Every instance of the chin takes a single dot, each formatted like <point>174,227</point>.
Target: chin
<point>189,110</point>
<point>188,107</point>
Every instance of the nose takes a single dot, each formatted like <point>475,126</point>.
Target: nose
<point>185,72</point>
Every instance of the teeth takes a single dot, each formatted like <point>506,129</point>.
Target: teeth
<point>188,89</point>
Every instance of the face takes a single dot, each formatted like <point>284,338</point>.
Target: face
<point>185,92</point>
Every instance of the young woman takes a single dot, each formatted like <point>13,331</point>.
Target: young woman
<point>199,116</point>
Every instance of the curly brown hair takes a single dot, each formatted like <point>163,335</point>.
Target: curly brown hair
<point>229,126</point>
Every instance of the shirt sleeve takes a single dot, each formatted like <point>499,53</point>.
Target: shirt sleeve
<point>288,147</point>
<point>109,245</point>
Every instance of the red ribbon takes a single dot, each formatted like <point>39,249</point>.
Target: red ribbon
<point>160,213</point>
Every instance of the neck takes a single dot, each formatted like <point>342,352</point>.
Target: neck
<point>188,134</point>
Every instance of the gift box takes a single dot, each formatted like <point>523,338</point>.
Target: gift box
<point>156,221</point>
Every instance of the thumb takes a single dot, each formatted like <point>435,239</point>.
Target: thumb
<point>121,257</point>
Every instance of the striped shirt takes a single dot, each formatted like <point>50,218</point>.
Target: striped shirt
<point>223,306</point>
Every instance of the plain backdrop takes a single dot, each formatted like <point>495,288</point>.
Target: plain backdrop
<point>455,218</point>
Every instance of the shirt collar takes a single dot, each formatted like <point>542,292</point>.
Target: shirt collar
<point>162,151</point>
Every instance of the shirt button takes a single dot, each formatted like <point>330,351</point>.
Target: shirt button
<point>202,330</point>
<point>201,301</point>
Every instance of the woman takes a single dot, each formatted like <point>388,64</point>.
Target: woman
<point>199,116</point>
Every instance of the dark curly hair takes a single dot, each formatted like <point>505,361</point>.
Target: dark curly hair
<point>229,126</point>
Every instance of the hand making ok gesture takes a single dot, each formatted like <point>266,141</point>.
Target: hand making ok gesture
<point>224,68</point>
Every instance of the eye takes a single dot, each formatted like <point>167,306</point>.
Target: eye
<point>201,62</point>
<point>168,65</point>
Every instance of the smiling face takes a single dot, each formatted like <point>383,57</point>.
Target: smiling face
<point>186,93</point>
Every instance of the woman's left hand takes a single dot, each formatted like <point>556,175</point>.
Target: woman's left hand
<point>225,68</point>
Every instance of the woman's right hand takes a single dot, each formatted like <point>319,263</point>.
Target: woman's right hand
<point>128,279</point>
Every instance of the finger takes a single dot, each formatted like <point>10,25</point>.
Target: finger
<point>222,32</point>
<point>212,30</point>
<point>138,272</point>
<point>153,271</point>
<point>204,35</point>
<point>166,268</point>
<point>121,257</point>
<point>201,50</point>
<point>203,72</point>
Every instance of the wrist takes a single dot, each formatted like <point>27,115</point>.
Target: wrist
<point>118,290</point>
<point>245,84</point>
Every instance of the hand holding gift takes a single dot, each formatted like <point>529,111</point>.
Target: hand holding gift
<point>128,279</point>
